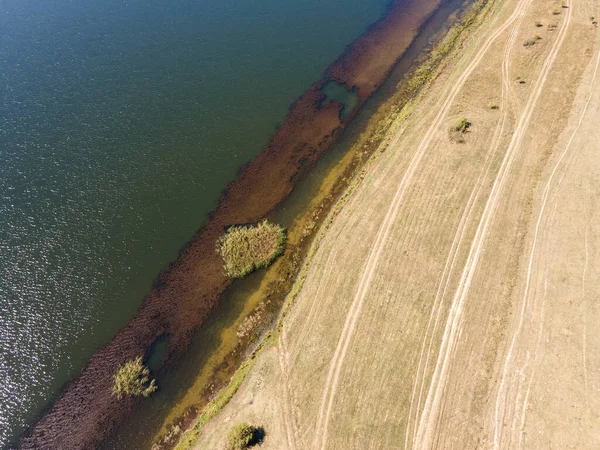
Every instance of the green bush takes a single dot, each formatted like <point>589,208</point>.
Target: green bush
<point>241,436</point>
<point>133,379</point>
<point>462,125</point>
<point>247,248</point>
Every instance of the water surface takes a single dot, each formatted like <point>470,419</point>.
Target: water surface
<point>204,363</point>
<point>120,123</point>
<point>347,97</point>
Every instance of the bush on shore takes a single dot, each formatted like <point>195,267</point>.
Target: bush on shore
<point>243,436</point>
<point>133,379</point>
<point>246,248</point>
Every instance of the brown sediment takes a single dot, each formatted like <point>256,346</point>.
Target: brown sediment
<point>85,413</point>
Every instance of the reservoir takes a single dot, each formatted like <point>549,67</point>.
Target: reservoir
<point>121,122</point>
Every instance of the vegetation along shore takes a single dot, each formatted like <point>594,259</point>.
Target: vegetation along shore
<point>349,174</point>
<point>86,413</point>
<point>448,298</point>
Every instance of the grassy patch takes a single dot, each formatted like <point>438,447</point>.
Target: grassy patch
<point>532,41</point>
<point>133,379</point>
<point>247,248</point>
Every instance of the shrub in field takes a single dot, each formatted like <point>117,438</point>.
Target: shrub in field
<point>462,125</point>
<point>459,129</point>
<point>247,248</point>
<point>133,379</point>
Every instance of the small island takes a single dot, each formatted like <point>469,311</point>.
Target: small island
<point>246,248</point>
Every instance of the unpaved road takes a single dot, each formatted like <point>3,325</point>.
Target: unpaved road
<point>453,302</point>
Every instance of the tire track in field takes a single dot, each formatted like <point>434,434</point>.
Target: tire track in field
<point>333,376</point>
<point>287,406</point>
<point>430,416</point>
<point>503,389</point>
<point>423,367</point>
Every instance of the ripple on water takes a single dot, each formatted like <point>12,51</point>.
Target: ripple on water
<point>115,141</point>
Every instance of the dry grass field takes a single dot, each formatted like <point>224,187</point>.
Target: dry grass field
<point>454,301</point>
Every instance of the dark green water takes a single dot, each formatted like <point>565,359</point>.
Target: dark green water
<point>205,352</point>
<point>347,97</point>
<point>120,124</point>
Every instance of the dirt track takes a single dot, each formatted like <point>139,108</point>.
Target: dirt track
<point>452,302</point>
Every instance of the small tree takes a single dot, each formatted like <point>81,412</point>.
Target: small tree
<point>241,436</point>
<point>133,379</point>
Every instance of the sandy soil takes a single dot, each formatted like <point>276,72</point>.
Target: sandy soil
<point>453,302</point>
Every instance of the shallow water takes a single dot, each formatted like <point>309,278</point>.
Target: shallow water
<point>211,348</point>
<point>347,97</point>
<point>120,124</point>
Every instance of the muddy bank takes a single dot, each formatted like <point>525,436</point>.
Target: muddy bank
<point>85,413</point>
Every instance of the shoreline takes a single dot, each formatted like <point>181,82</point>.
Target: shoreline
<point>281,392</point>
<point>84,413</point>
<point>443,52</point>
<point>364,152</point>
